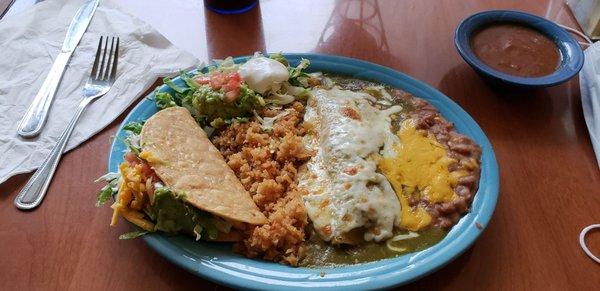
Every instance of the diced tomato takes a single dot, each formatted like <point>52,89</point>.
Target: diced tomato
<point>232,95</point>
<point>226,87</point>
<point>229,83</point>
<point>217,79</point>
<point>203,80</point>
<point>132,159</point>
<point>235,77</point>
<point>232,88</point>
<point>148,172</point>
<point>233,83</point>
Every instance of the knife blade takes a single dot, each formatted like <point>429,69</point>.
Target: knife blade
<point>5,6</point>
<point>34,119</point>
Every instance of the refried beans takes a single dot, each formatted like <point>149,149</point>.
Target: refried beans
<point>461,148</point>
<point>516,50</point>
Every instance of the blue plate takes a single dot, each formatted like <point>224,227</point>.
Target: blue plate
<point>571,53</point>
<point>218,263</point>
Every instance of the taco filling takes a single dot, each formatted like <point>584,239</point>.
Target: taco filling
<point>180,189</point>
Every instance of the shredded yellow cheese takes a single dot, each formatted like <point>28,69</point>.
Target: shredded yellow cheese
<point>130,198</point>
<point>420,163</point>
<point>137,218</point>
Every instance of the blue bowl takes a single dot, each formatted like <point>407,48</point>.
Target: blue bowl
<point>570,51</point>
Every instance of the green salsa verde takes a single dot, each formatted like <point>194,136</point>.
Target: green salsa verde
<point>319,253</point>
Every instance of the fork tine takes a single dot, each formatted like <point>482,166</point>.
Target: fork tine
<point>113,72</point>
<point>110,54</point>
<point>101,72</point>
<point>96,59</point>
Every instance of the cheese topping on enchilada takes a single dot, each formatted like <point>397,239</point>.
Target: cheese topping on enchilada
<point>346,192</point>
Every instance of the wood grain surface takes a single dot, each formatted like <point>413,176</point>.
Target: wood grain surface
<point>549,179</point>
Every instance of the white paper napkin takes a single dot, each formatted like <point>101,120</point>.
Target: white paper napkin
<point>589,82</point>
<point>30,41</point>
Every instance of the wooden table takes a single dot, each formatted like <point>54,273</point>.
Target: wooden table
<point>550,182</point>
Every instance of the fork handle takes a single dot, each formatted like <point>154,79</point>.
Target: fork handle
<point>32,122</point>
<point>34,191</point>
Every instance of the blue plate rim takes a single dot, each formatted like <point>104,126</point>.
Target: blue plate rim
<point>561,38</point>
<point>378,274</point>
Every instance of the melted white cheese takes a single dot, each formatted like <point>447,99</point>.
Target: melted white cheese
<point>344,190</point>
<point>262,74</point>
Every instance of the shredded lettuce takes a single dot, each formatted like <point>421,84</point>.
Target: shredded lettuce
<point>280,58</point>
<point>164,100</point>
<point>189,81</point>
<point>104,195</point>
<point>298,92</point>
<point>133,234</point>
<point>110,189</point>
<point>226,66</point>
<point>298,72</point>
<point>280,99</point>
<point>107,177</point>
<point>266,124</point>
<point>132,141</point>
<point>171,84</point>
<point>198,231</point>
<point>134,127</point>
<point>287,94</point>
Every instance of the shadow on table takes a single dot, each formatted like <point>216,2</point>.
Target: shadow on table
<point>358,22</point>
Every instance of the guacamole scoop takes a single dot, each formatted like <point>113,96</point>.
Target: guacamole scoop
<point>173,215</point>
<point>214,107</point>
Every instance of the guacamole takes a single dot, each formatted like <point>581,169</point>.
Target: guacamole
<point>173,215</point>
<point>210,100</point>
<point>212,104</point>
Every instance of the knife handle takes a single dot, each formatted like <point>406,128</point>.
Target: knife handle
<point>37,113</point>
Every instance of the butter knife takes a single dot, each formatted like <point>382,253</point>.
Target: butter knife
<point>4,7</point>
<point>37,113</point>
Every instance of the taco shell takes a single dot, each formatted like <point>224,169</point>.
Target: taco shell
<point>185,160</point>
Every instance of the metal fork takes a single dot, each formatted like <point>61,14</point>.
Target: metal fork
<point>101,79</point>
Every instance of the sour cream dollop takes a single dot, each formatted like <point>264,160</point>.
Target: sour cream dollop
<point>261,73</point>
